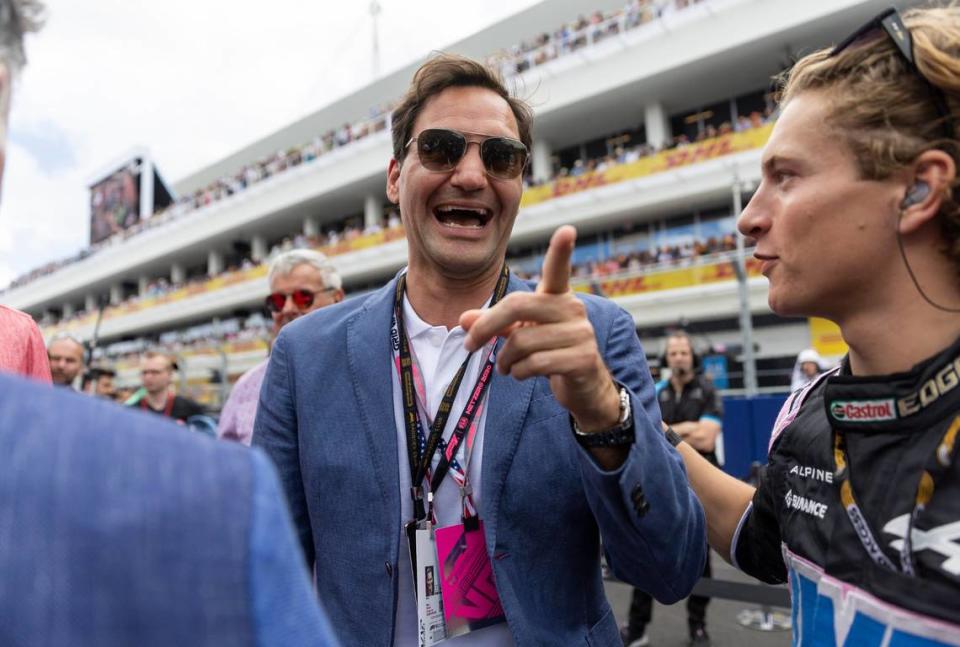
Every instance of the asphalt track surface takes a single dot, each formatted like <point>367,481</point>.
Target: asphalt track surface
<point>669,625</point>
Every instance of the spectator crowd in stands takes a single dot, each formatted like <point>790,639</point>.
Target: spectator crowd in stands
<point>348,229</point>
<point>625,153</point>
<point>230,185</point>
<point>344,231</point>
<point>568,38</point>
<point>586,30</point>
<point>681,254</point>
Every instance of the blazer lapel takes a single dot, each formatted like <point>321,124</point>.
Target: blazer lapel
<point>509,401</point>
<point>370,362</point>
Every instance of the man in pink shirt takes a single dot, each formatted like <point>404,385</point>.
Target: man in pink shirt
<point>22,350</point>
<point>301,281</point>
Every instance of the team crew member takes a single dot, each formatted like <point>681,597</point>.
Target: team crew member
<point>691,405</point>
<point>857,220</point>
<point>156,372</point>
<point>301,281</point>
<point>100,382</point>
<point>356,411</point>
<point>66,360</point>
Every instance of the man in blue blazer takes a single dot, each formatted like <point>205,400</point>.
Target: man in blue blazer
<point>458,400</point>
<point>121,528</point>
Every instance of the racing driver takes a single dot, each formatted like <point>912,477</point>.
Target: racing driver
<point>857,220</point>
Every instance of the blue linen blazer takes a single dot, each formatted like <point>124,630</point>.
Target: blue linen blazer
<point>326,418</point>
<point>119,528</point>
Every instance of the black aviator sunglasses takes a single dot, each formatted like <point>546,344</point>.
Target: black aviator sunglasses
<point>890,23</point>
<point>441,149</point>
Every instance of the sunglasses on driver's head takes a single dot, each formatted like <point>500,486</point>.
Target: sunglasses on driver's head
<point>301,298</point>
<point>890,23</point>
<point>441,149</point>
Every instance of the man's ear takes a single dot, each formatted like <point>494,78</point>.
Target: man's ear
<point>937,170</point>
<point>393,181</point>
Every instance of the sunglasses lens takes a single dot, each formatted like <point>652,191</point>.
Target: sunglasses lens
<point>274,302</point>
<point>440,149</point>
<point>302,298</point>
<point>503,157</point>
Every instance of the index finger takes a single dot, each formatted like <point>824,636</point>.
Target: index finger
<point>556,263</point>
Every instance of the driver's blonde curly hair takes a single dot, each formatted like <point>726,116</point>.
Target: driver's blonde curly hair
<point>882,109</point>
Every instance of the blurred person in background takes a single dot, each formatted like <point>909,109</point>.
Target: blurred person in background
<point>857,220</point>
<point>157,394</point>
<point>807,367</point>
<point>100,382</point>
<point>66,360</point>
<point>692,406</point>
<point>21,344</point>
<point>115,528</point>
<point>301,281</point>
<point>123,394</point>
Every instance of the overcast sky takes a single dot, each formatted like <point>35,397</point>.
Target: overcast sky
<point>191,80</point>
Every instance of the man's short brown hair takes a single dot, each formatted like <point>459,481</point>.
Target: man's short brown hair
<point>448,71</point>
<point>153,354</point>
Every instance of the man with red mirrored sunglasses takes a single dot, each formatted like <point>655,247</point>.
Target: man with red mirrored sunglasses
<point>301,281</point>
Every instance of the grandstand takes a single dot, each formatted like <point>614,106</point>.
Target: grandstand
<point>650,116</point>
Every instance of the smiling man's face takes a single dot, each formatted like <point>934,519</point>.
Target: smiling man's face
<point>458,222</point>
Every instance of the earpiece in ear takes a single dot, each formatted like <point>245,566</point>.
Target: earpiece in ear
<point>917,194</point>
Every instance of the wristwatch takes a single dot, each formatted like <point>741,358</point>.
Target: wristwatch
<point>673,437</point>
<point>621,434</point>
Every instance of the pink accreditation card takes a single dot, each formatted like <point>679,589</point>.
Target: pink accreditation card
<point>470,599</point>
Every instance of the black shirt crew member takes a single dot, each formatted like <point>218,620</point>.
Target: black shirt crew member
<point>697,401</point>
<point>690,404</point>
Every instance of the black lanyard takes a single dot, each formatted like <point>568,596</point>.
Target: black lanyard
<point>936,467</point>
<point>420,463</point>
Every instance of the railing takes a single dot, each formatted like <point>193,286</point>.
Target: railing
<point>564,41</point>
<point>683,273</point>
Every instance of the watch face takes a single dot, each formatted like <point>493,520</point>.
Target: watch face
<point>621,434</point>
<point>624,405</point>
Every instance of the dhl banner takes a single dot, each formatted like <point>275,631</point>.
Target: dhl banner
<point>220,282</point>
<point>826,339</point>
<point>667,279</point>
<point>663,161</point>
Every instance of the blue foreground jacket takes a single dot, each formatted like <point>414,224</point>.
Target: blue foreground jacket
<point>121,528</point>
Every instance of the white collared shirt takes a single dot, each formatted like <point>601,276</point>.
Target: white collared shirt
<point>439,354</point>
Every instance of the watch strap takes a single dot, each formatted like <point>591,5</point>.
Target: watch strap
<point>672,437</point>
<point>623,433</point>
